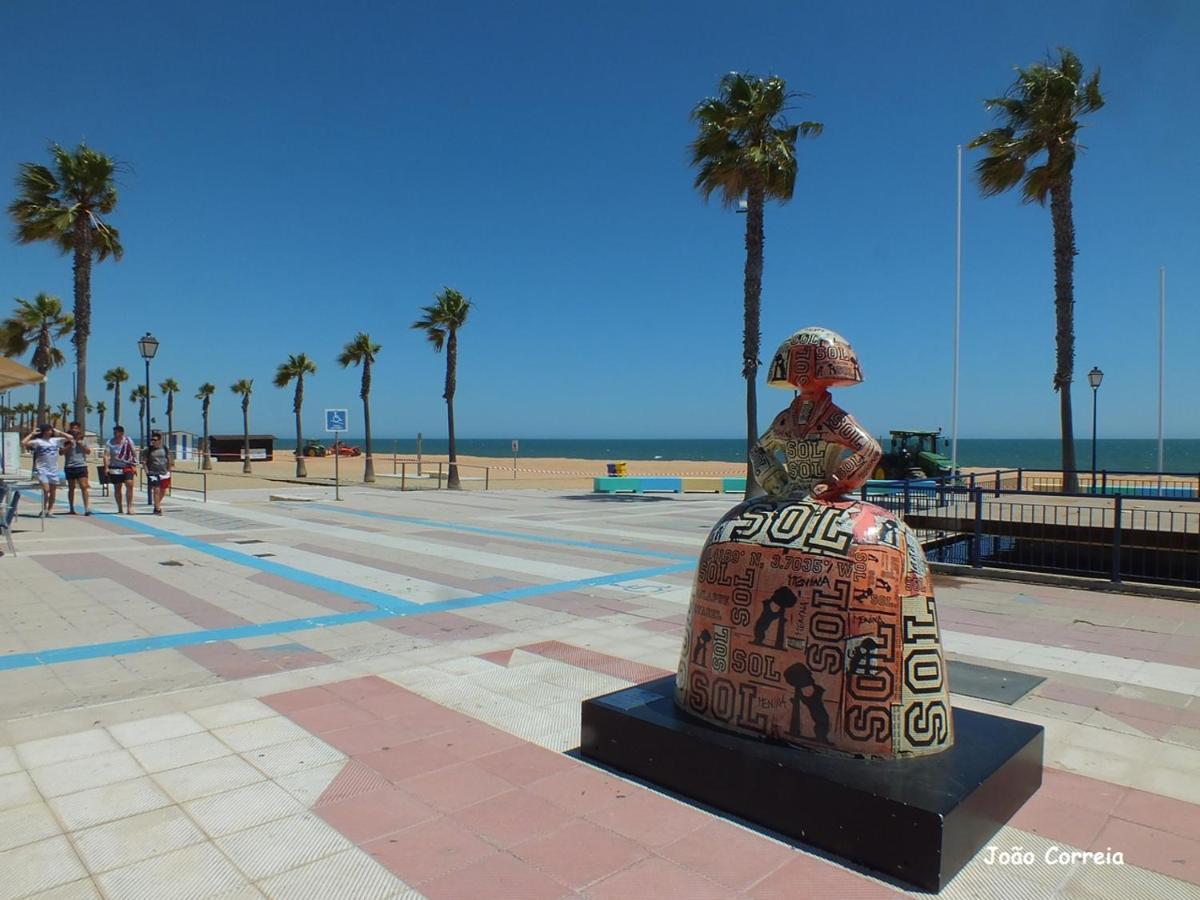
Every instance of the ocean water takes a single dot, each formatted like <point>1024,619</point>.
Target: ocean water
<point>1120,455</point>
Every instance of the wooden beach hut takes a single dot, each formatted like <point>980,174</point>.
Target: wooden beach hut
<point>228,447</point>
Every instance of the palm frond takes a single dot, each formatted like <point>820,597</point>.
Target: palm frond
<point>1039,114</point>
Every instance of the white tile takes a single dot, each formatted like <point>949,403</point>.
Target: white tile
<point>348,874</point>
<point>131,840</point>
<point>180,751</point>
<point>308,785</point>
<point>194,873</point>
<point>48,751</point>
<point>260,733</point>
<point>294,756</point>
<point>17,790</point>
<point>233,713</point>
<point>113,801</point>
<point>222,814</point>
<point>81,774</point>
<point>8,761</point>
<point>84,889</point>
<point>23,825</point>
<point>38,867</point>
<point>212,777</point>
<point>277,846</point>
<point>157,728</point>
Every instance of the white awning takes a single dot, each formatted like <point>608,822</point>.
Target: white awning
<point>13,374</point>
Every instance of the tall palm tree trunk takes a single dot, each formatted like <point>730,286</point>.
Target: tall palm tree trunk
<point>452,481</point>
<point>1064,315</point>
<point>301,469</point>
<point>246,437</point>
<point>751,329</point>
<point>100,430</point>
<point>369,462</point>
<point>43,412</point>
<point>116,404</point>
<point>83,312</point>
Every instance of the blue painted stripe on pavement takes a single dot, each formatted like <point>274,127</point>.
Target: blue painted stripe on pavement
<point>207,636</point>
<point>388,602</point>
<point>514,535</point>
<point>537,590</point>
<point>182,639</point>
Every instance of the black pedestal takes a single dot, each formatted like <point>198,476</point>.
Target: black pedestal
<point>917,820</point>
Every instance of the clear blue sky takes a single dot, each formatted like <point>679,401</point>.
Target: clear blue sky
<point>300,171</point>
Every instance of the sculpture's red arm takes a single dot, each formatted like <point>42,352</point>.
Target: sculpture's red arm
<point>852,472</point>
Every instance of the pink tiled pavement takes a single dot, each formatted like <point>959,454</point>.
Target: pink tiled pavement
<point>443,800</point>
<point>559,853</point>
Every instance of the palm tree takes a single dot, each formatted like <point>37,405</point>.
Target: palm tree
<point>140,396</point>
<point>169,387</point>
<point>746,150</point>
<point>36,324</point>
<point>101,409</point>
<point>204,395</point>
<point>244,388</point>
<point>113,379</point>
<point>1040,114</point>
<point>361,352</point>
<point>65,205</point>
<point>64,414</point>
<point>441,323</point>
<point>296,368</point>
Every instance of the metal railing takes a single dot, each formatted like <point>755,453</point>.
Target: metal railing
<point>202,490</point>
<point>1118,538</point>
<point>428,475</point>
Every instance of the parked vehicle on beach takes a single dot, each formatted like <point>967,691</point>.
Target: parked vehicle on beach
<point>913,454</point>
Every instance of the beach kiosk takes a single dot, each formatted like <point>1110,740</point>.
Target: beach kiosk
<point>228,447</point>
<point>184,445</point>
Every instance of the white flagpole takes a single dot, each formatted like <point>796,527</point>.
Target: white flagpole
<point>957,308</point>
<point>1162,330</point>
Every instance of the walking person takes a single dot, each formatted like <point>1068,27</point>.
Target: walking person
<point>120,462</point>
<point>75,466</point>
<point>46,444</point>
<point>157,461</point>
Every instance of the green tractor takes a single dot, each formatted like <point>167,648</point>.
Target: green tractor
<point>912,455</point>
<point>314,448</point>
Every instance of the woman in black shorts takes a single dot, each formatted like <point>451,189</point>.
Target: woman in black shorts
<point>75,465</point>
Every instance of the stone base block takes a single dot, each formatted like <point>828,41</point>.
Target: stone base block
<point>918,820</point>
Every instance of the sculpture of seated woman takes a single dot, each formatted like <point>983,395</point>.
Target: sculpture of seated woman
<point>815,610</point>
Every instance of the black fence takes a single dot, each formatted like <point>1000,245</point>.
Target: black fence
<point>1117,537</point>
<point>1105,483</point>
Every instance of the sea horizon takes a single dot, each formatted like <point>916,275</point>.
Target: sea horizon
<point>1115,454</point>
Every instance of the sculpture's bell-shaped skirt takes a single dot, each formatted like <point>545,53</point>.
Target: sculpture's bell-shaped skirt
<point>814,623</point>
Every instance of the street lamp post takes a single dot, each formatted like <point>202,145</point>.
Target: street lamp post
<point>1094,378</point>
<point>148,346</point>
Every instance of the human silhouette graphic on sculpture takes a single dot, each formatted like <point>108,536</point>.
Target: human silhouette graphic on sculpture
<point>862,660</point>
<point>774,610</point>
<point>700,651</point>
<point>801,680</point>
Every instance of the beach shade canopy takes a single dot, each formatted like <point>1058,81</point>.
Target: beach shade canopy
<point>13,374</point>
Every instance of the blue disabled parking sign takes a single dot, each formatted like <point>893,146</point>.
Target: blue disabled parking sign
<point>335,420</point>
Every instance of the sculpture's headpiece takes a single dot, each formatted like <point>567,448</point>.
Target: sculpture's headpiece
<point>814,355</point>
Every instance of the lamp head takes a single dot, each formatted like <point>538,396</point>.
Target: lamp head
<point>1095,377</point>
<point>148,346</point>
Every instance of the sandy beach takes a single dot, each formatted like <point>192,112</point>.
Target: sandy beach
<point>475,472</point>
<point>481,472</point>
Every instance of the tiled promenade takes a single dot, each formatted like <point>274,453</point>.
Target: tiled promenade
<point>378,698</point>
